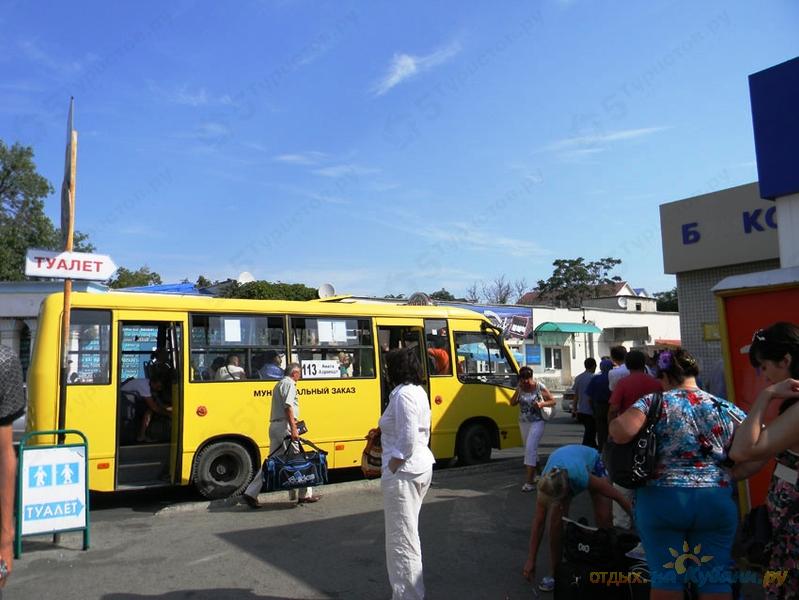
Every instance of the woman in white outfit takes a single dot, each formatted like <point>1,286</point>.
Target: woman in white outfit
<point>407,471</point>
<point>531,396</point>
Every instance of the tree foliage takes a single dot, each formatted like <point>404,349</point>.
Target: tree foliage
<point>23,223</point>
<point>126,278</point>
<point>667,301</point>
<point>574,280</point>
<point>266,290</point>
<point>442,295</point>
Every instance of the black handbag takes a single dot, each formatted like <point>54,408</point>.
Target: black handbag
<point>630,465</point>
<point>295,469</point>
<point>753,537</point>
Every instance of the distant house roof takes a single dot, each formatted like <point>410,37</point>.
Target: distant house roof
<point>642,292</point>
<point>600,291</point>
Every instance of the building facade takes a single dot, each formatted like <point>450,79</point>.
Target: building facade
<point>705,239</point>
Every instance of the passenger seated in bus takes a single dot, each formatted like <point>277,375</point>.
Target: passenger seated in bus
<point>271,368</point>
<point>231,371</point>
<point>140,397</point>
<point>344,364</point>
<point>437,352</point>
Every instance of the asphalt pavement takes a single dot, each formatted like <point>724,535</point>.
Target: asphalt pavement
<point>475,526</point>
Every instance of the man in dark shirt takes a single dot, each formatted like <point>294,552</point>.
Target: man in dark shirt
<point>12,406</point>
<point>599,392</point>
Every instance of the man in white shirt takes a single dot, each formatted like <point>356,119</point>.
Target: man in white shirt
<point>231,371</point>
<point>619,370</point>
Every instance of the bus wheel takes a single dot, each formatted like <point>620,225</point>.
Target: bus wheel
<point>474,445</point>
<point>222,469</point>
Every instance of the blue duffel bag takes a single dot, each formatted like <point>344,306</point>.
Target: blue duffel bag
<point>292,466</point>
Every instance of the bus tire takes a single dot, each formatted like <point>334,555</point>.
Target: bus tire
<point>222,470</point>
<point>474,445</point>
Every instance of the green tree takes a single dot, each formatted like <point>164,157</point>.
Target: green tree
<point>126,278</point>
<point>203,282</point>
<point>23,223</point>
<point>442,295</point>
<point>573,280</point>
<point>667,301</point>
<point>266,290</point>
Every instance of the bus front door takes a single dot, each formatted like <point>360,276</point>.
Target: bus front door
<point>150,397</point>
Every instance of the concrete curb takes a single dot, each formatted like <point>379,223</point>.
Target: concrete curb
<point>282,498</point>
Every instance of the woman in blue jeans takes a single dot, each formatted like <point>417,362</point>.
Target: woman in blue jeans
<point>685,513</point>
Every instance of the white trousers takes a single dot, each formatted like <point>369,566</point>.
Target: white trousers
<point>277,437</point>
<point>403,494</point>
<point>531,436</point>
<point>620,516</point>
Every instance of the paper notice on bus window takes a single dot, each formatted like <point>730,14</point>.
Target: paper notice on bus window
<point>332,332</point>
<point>233,330</point>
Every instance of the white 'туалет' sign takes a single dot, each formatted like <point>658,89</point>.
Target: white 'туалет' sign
<point>53,489</point>
<point>68,265</point>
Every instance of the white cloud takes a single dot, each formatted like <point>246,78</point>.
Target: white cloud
<point>208,131</point>
<point>345,171</point>
<point>312,157</point>
<point>186,95</point>
<point>405,66</point>
<point>38,55</point>
<point>596,142</point>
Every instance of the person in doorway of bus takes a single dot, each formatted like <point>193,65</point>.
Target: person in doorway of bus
<point>12,406</point>
<point>570,470</point>
<point>231,371</point>
<point>531,396</point>
<point>282,426</point>
<point>407,471</point>
<point>147,392</point>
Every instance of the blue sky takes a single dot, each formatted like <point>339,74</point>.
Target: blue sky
<point>387,147</point>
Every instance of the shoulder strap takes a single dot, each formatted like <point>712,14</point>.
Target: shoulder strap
<point>312,445</point>
<point>655,409</point>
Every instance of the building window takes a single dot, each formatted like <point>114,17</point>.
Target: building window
<point>333,348</point>
<point>638,306</point>
<point>218,342</point>
<point>88,346</point>
<point>553,358</point>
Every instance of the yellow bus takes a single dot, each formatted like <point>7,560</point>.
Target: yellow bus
<point>221,357</point>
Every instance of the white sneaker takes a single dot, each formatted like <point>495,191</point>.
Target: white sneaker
<point>547,584</point>
<point>528,487</point>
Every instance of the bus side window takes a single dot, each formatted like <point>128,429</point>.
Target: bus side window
<point>89,343</point>
<point>436,335</point>
<point>482,358</point>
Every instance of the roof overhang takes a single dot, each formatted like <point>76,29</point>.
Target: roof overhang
<point>552,333</point>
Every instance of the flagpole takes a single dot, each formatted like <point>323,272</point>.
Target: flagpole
<point>67,232</point>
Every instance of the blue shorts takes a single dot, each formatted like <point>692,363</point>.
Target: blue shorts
<point>687,534</point>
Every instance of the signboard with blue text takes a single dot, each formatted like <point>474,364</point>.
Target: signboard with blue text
<point>52,489</point>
